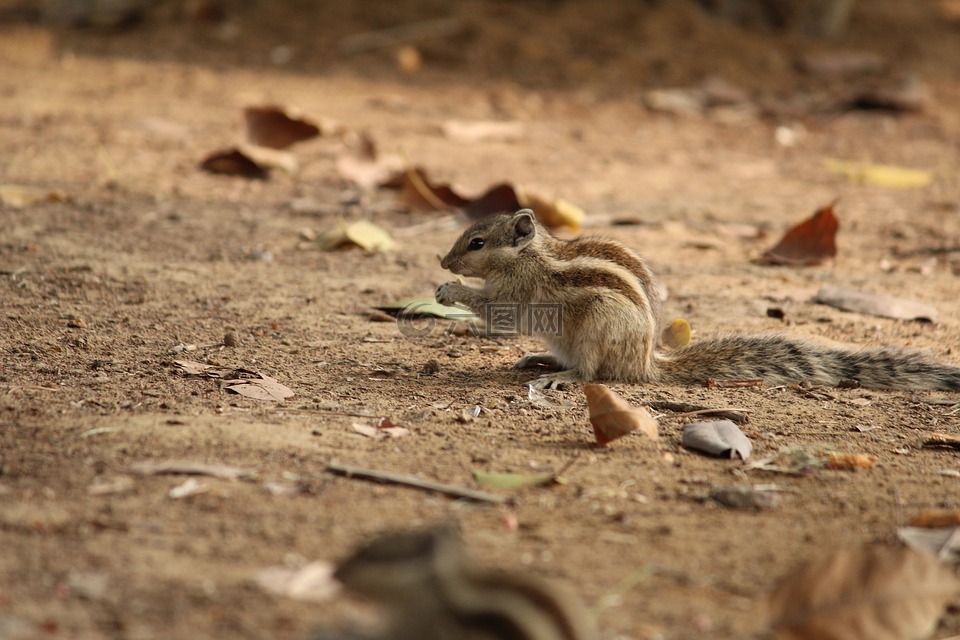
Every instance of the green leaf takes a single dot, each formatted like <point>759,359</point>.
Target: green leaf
<point>512,480</point>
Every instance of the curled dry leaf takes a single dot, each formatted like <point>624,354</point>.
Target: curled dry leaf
<point>875,304</point>
<point>271,126</point>
<point>234,162</point>
<point>934,518</point>
<point>813,241</point>
<point>942,440</point>
<point>677,334</point>
<point>876,592</point>
<point>613,417</point>
<point>719,438</point>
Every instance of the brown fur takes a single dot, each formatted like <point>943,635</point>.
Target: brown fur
<point>611,315</point>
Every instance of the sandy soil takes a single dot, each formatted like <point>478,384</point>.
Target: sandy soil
<point>145,252</point>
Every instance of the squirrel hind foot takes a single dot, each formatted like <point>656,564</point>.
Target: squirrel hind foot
<point>555,380</point>
<point>531,360</point>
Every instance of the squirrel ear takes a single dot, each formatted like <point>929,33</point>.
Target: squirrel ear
<point>524,227</point>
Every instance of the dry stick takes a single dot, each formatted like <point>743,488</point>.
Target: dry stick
<point>28,387</point>
<point>735,414</point>
<point>411,481</point>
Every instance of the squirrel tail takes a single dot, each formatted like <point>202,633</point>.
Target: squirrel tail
<point>781,360</point>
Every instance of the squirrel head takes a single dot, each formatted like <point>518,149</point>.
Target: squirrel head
<point>491,241</point>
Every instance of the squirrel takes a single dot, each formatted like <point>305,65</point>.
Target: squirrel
<point>610,317</point>
<point>433,592</point>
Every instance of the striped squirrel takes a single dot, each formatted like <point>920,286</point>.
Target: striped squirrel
<point>611,316</point>
<point>432,592</point>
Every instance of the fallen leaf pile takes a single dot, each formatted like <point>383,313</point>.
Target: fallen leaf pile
<point>251,384</point>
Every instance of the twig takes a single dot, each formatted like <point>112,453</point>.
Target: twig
<point>734,384</point>
<point>402,34</point>
<point>735,414</point>
<point>411,481</point>
<point>29,387</point>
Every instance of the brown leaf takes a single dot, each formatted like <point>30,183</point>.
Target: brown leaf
<point>270,126</point>
<point>613,417</point>
<point>234,162</point>
<point>876,592</point>
<point>17,196</point>
<point>262,388</point>
<point>418,193</point>
<point>813,241</point>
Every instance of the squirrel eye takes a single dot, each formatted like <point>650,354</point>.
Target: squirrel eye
<point>476,243</point>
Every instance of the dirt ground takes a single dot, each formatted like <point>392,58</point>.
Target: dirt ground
<point>144,253</point>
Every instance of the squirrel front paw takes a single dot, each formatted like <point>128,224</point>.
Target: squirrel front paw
<point>447,293</point>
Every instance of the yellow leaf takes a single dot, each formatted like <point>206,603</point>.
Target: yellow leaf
<point>362,233</point>
<point>552,212</point>
<point>677,334</point>
<point>883,175</point>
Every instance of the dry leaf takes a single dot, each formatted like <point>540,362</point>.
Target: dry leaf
<point>18,196</point>
<point>483,130</point>
<point>362,233</point>
<point>233,162</point>
<point>613,417</point>
<point>552,212</point>
<point>813,241</point>
<point>849,461</point>
<point>412,308</point>
<point>720,438</point>
<point>262,388</point>
<point>512,480</point>
<point>313,582</point>
<point>190,468</point>
<point>271,126</point>
<point>677,334</point>
<point>875,592</point>
<point>418,192</point>
<point>880,174</point>
<point>875,304</point>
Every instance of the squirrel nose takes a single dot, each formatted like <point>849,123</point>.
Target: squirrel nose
<point>445,261</point>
